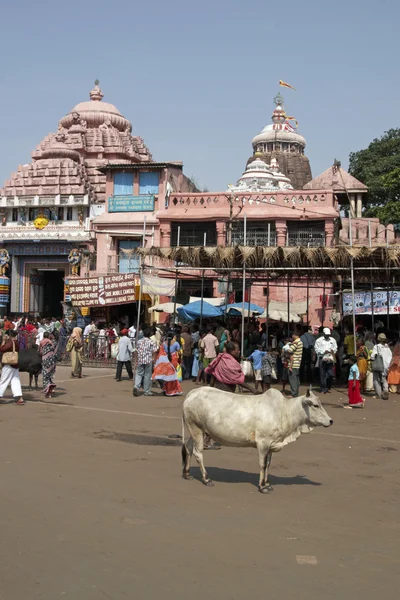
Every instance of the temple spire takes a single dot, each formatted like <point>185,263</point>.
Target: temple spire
<point>96,94</point>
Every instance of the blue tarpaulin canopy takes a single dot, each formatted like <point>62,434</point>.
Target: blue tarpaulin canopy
<point>237,308</point>
<point>193,310</point>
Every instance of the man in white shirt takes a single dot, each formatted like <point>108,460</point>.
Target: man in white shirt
<point>132,332</point>
<point>381,386</point>
<point>124,355</point>
<point>325,349</point>
<point>87,330</point>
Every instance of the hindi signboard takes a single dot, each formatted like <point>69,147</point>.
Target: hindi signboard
<point>103,291</point>
<point>363,306</point>
<point>141,203</point>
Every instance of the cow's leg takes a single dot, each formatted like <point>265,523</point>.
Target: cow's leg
<point>30,380</point>
<point>267,483</point>
<point>264,458</point>
<point>36,381</point>
<point>198,447</point>
<point>187,451</point>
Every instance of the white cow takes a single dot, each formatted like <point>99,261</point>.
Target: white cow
<point>267,422</point>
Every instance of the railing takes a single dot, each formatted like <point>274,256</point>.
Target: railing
<point>254,237</point>
<point>309,240</point>
<point>98,350</point>
<point>366,231</point>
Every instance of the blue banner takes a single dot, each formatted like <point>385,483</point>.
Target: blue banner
<point>362,303</point>
<point>131,203</point>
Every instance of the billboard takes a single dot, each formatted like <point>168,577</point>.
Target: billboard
<point>363,305</point>
<point>103,291</point>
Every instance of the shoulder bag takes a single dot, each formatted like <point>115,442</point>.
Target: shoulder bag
<point>377,365</point>
<point>10,358</point>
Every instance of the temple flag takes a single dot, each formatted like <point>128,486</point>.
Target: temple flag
<point>287,85</point>
<point>292,119</point>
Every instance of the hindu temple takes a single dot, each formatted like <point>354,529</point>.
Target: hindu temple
<point>281,141</point>
<point>46,206</point>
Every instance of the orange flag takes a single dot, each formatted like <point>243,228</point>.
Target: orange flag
<point>284,84</point>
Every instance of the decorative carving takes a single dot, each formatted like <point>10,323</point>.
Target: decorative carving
<point>74,259</point>
<point>3,217</point>
<point>4,261</point>
<point>80,215</point>
<point>41,221</point>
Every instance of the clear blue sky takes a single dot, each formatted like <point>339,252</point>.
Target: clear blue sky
<point>196,79</point>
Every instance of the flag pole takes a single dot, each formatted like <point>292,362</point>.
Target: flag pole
<point>244,279</point>
<point>176,277</point>
<point>141,266</point>
<point>202,285</point>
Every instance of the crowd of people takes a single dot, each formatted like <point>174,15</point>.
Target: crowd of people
<point>368,360</point>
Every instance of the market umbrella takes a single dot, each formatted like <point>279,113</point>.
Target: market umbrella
<point>167,307</point>
<point>193,310</point>
<point>238,307</point>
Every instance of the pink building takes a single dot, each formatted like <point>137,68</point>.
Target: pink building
<point>94,188</point>
<point>47,205</point>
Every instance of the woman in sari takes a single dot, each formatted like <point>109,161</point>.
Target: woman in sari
<point>48,352</point>
<point>75,343</point>
<point>165,369</point>
<point>363,355</point>
<point>227,371</point>
<point>394,370</point>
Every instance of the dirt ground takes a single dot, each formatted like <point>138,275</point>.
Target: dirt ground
<point>93,506</point>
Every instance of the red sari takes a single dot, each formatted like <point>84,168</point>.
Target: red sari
<point>165,371</point>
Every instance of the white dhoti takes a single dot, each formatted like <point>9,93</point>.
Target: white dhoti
<point>10,376</point>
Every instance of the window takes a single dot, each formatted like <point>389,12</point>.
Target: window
<point>15,214</point>
<point>123,184</point>
<point>148,182</point>
<point>32,214</point>
<point>60,213</point>
<point>192,234</point>
<point>69,213</point>
<point>256,233</point>
<point>128,259</point>
<point>310,235</point>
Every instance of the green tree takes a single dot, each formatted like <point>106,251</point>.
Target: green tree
<point>378,167</point>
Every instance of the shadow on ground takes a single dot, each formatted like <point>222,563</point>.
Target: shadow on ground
<point>218,474</point>
<point>136,438</point>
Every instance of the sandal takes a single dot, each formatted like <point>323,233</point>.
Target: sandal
<point>20,402</point>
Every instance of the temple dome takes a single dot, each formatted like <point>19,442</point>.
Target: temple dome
<point>277,132</point>
<point>95,112</point>
<point>67,162</point>
<point>281,141</point>
<point>261,177</point>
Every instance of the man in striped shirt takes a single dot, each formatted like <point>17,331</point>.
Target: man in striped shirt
<point>296,353</point>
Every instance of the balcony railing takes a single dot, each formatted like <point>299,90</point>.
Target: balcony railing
<point>305,239</point>
<point>254,238</point>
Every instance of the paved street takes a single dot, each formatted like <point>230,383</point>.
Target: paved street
<point>93,505</point>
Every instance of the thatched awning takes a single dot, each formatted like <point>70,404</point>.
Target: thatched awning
<point>279,258</point>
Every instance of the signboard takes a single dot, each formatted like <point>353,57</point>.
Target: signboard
<point>131,203</point>
<point>362,303</point>
<point>103,291</point>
